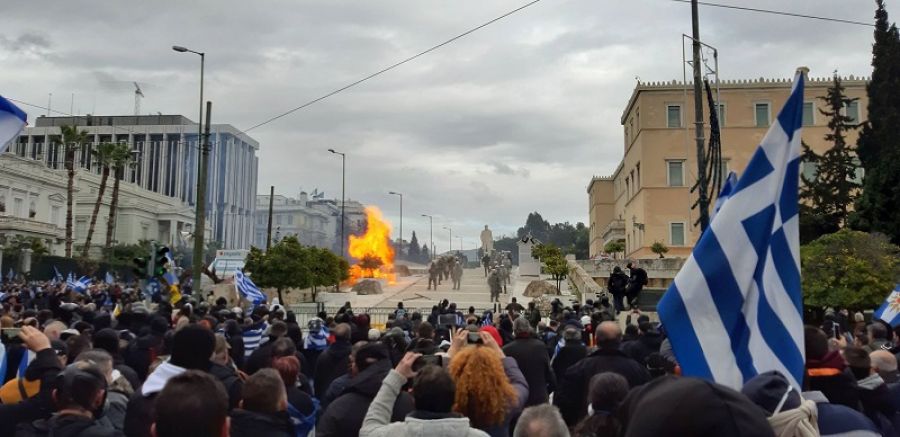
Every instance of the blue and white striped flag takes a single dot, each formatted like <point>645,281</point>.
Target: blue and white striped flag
<point>12,121</point>
<point>170,276</point>
<point>247,289</point>
<point>81,285</point>
<point>889,311</point>
<point>727,188</point>
<point>735,308</point>
<point>57,276</point>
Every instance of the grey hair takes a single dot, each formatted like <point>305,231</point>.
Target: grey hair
<point>541,421</point>
<point>571,334</point>
<point>521,326</point>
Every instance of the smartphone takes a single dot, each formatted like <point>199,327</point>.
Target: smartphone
<point>11,333</point>
<point>425,360</point>
<point>447,320</point>
<point>474,338</point>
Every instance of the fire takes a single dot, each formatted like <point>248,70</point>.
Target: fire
<point>373,247</point>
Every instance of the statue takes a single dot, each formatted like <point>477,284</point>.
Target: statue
<point>487,240</point>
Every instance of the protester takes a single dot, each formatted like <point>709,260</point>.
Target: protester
<point>333,362</point>
<point>541,421</point>
<point>345,415</point>
<point>490,388</point>
<point>827,372</point>
<point>434,393</point>
<point>874,395</point>
<point>788,413</point>
<point>529,354</point>
<point>570,352</point>
<point>636,282</point>
<point>570,396</point>
<point>263,407</point>
<point>301,407</point>
<point>617,285</point>
<point>192,404</point>
<point>607,391</point>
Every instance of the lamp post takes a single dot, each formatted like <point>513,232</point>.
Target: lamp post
<point>401,218</point>
<point>343,192</point>
<point>451,237</point>
<point>200,209</point>
<point>430,232</point>
<point>460,243</point>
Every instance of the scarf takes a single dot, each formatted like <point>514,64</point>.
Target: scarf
<point>158,379</point>
<point>316,340</point>
<point>798,422</point>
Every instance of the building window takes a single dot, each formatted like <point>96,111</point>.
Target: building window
<point>675,173</point>
<point>54,214</point>
<point>852,111</point>
<point>676,234</point>
<point>762,114</point>
<point>808,116</point>
<point>290,219</point>
<point>673,116</point>
<point>278,219</point>
<point>637,182</point>
<point>17,207</point>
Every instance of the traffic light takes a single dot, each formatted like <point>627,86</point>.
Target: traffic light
<point>140,268</point>
<point>160,261</point>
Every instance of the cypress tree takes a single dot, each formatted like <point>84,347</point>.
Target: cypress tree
<point>830,192</point>
<point>878,208</point>
<point>414,250</point>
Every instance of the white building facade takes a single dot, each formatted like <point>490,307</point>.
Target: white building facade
<point>158,194</point>
<point>315,220</point>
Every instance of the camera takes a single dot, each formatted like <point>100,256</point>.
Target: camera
<point>474,338</point>
<point>425,360</point>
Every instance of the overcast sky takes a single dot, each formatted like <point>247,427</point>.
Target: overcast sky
<point>514,118</point>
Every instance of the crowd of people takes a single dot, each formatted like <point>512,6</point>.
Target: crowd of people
<point>106,363</point>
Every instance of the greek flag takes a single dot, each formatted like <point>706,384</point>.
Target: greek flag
<point>12,121</point>
<point>80,285</point>
<point>727,188</point>
<point>889,311</point>
<point>57,276</point>
<point>735,308</point>
<point>169,276</point>
<point>247,289</point>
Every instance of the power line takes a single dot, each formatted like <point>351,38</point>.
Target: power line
<point>788,14</point>
<point>391,67</point>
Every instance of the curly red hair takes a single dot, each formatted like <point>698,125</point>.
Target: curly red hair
<point>483,392</point>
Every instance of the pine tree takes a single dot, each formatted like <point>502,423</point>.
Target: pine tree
<point>830,192</point>
<point>425,254</point>
<point>879,142</point>
<point>414,251</point>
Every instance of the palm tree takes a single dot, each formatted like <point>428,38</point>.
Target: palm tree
<point>103,154</point>
<point>121,159</point>
<point>72,140</point>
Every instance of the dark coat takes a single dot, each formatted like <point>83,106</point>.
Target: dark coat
<point>44,367</point>
<point>617,283</point>
<point>831,377</point>
<point>571,397</point>
<point>232,382</point>
<point>344,416</point>
<point>139,415</point>
<point>66,426</point>
<point>141,353</point>
<point>568,355</point>
<point>645,345</point>
<point>333,362</point>
<point>250,424</point>
<point>535,365</point>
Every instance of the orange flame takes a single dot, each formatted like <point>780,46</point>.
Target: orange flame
<point>374,244</point>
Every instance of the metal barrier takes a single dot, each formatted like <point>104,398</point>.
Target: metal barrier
<point>378,316</point>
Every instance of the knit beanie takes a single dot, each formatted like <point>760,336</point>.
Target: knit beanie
<point>192,347</point>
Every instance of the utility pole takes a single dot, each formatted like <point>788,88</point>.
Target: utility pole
<point>401,218</point>
<point>703,199</point>
<point>200,217</point>
<point>269,231</point>
<point>343,194</point>
<point>430,232</point>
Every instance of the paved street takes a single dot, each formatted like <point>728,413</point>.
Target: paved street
<point>473,292</point>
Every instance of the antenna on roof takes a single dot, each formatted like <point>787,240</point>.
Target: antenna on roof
<point>138,94</point>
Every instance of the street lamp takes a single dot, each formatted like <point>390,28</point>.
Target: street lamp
<point>430,232</point>
<point>460,243</point>
<point>343,186</point>
<point>401,218</point>
<point>200,210</point>
<point>451,237</point>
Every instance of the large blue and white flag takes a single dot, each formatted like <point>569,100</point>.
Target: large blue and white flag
<point>57,276</point>
<point>170,276</point>
<point>12,121</point>
<point>727,188</point>
<point>889,311</point>
<point>735,308</point>
<point>81,285</point>
<point>247,289</point>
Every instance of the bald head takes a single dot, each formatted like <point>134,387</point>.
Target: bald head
<point>342,331</point>
<point>883,361</point>
<point>609,335</point>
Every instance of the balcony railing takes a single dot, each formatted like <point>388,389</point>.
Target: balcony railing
<point>9,223</point>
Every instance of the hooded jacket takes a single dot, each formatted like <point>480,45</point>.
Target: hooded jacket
<point>344,416</point>
<point>378,417</point>
<point>830,376</point>
<point>139,415</point>
<point>333,362</point>
<point>251,424</point>
<point>67,426</point>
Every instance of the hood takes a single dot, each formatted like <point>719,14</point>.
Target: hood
<point>870,382</point>
<point>450,427</point>
<point>831,360</point>
<point>262,423</point>
<point>158,379</point>
<point>369,381</point>
<point>68,425</point>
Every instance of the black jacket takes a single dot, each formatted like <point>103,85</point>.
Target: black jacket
<point>571,397</point>
<point>535,366</point>
<point>344,416</point>
<point>333,362</point>
<point>617,283</point>
<point>232,382</point>
<point>568,355</point>
<point>250,424</point>
<point>66,426</point>
<point>44,367</point>
<point>645,345</point>
<point>141,353</point>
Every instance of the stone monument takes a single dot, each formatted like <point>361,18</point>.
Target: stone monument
<point>528,266</point>
<point>487,240</point>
